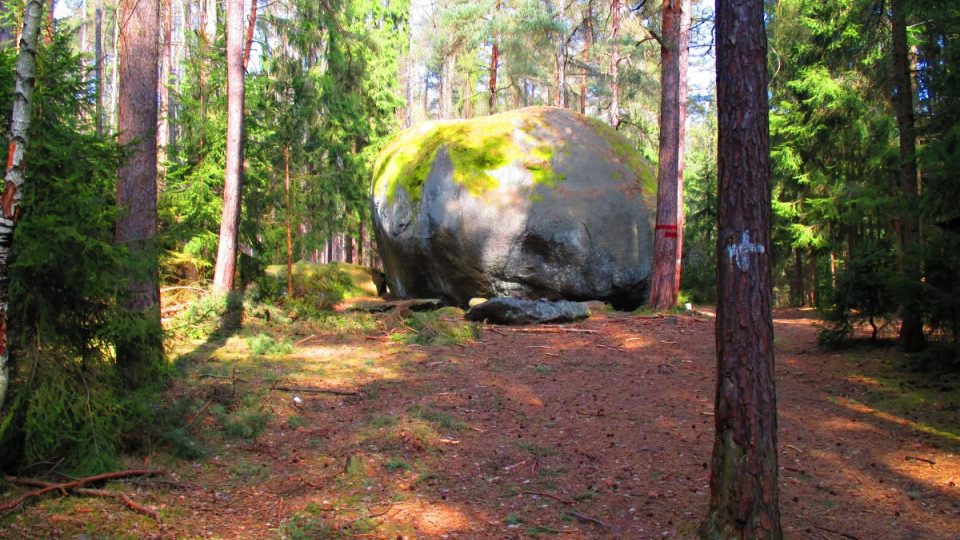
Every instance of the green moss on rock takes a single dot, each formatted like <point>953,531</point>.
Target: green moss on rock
<point>476,147</point>
<point>479,146</point>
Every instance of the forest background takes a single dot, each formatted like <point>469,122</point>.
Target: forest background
<point>328,83</point>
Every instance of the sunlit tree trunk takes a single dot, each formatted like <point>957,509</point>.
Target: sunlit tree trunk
<point>226,267</point>
<point>14,174</point>
<point>137,184</point>
<point>668,234</point>
<point>98,67</point>
<point>614,117</point>
<point>286,204</point>
<point>251,27</point>
<point>744,496</point>
<point>494,64</point>
<point>911,327</point>
<point>115,63</point>
<point>163,89</point>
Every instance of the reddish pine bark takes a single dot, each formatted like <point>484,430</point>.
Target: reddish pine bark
<point>137,185</point>
<point>668,235</point>
<point>911,327</point>
<point>744,498</point>
<point>494,63</point>
<point>286,204</point>
<point>225,271</point>
<point>251,27</point>
<point>587,44</point>
<point>615,64</point>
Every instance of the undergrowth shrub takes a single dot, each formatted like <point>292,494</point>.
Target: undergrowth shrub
<point>263,344</point>
<point>66,401</point>
<point>865,292</point>
<point>445,326</point>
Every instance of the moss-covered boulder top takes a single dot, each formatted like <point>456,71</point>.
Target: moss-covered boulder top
<point>536,202</point>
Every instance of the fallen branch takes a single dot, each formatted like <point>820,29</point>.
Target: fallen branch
<point>552,330</point>
<point>915,458</point>
<point>134,505</point>
<point>549,496</point>
<point>843,534</point>
<point>309,390</point>
<point>591,519</point>
<point>304,340</point>
<point>65,486</point>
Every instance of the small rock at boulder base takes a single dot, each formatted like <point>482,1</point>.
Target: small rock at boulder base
<point>533,203</point>
<point>520,311</point>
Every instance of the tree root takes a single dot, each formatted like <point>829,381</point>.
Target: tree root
<point>75,486</point>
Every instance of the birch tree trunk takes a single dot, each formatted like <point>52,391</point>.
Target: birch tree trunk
<point>668,234</point>
<point>14,175</point>
<point>744,495</point>
<point>137,185</point>
<point>225,271</point>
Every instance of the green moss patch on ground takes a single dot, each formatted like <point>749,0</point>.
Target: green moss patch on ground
<point>356,279</point>
<point>476,147</point>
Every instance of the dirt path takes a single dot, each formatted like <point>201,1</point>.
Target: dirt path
<point>593,433</point>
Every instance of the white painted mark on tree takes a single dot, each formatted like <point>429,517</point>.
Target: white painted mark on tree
<point>740,253</point>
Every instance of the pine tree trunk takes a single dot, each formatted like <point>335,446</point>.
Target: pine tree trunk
<point>911,328</point>
<point>51,23</point>
<point>744,498</point>
<point>286,205</point>
<point>668,234</point>
<point>98,55</point>
<point>251,27</point>
<point>494,63</point>
<point>494,60</point>
<point>14,175</point>
<point>587,44</point>
<point>798,292</point>
<point>615,64</point>
<point>137,185</point>
<point>163,90</point>
<point>225,271</point>
<point>115,63</point>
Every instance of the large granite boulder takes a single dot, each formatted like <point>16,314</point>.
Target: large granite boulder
<point>534,203</point>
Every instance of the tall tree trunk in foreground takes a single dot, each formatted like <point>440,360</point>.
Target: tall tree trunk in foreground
<point>615,64</point>
<point>286,205</point>
<point>744,499</point>
<point>911,328</point>
<point>14,175</point>
<point>226,267</point>
<point>668,234</point>
<point>137,184</point>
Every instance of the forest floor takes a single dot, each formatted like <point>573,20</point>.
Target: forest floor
<point>599,429</point>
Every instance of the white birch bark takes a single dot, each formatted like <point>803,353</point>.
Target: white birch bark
<point>14,176</point>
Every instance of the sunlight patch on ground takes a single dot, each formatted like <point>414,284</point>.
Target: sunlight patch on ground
<point>433,518</point>
<point>858,407</point>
